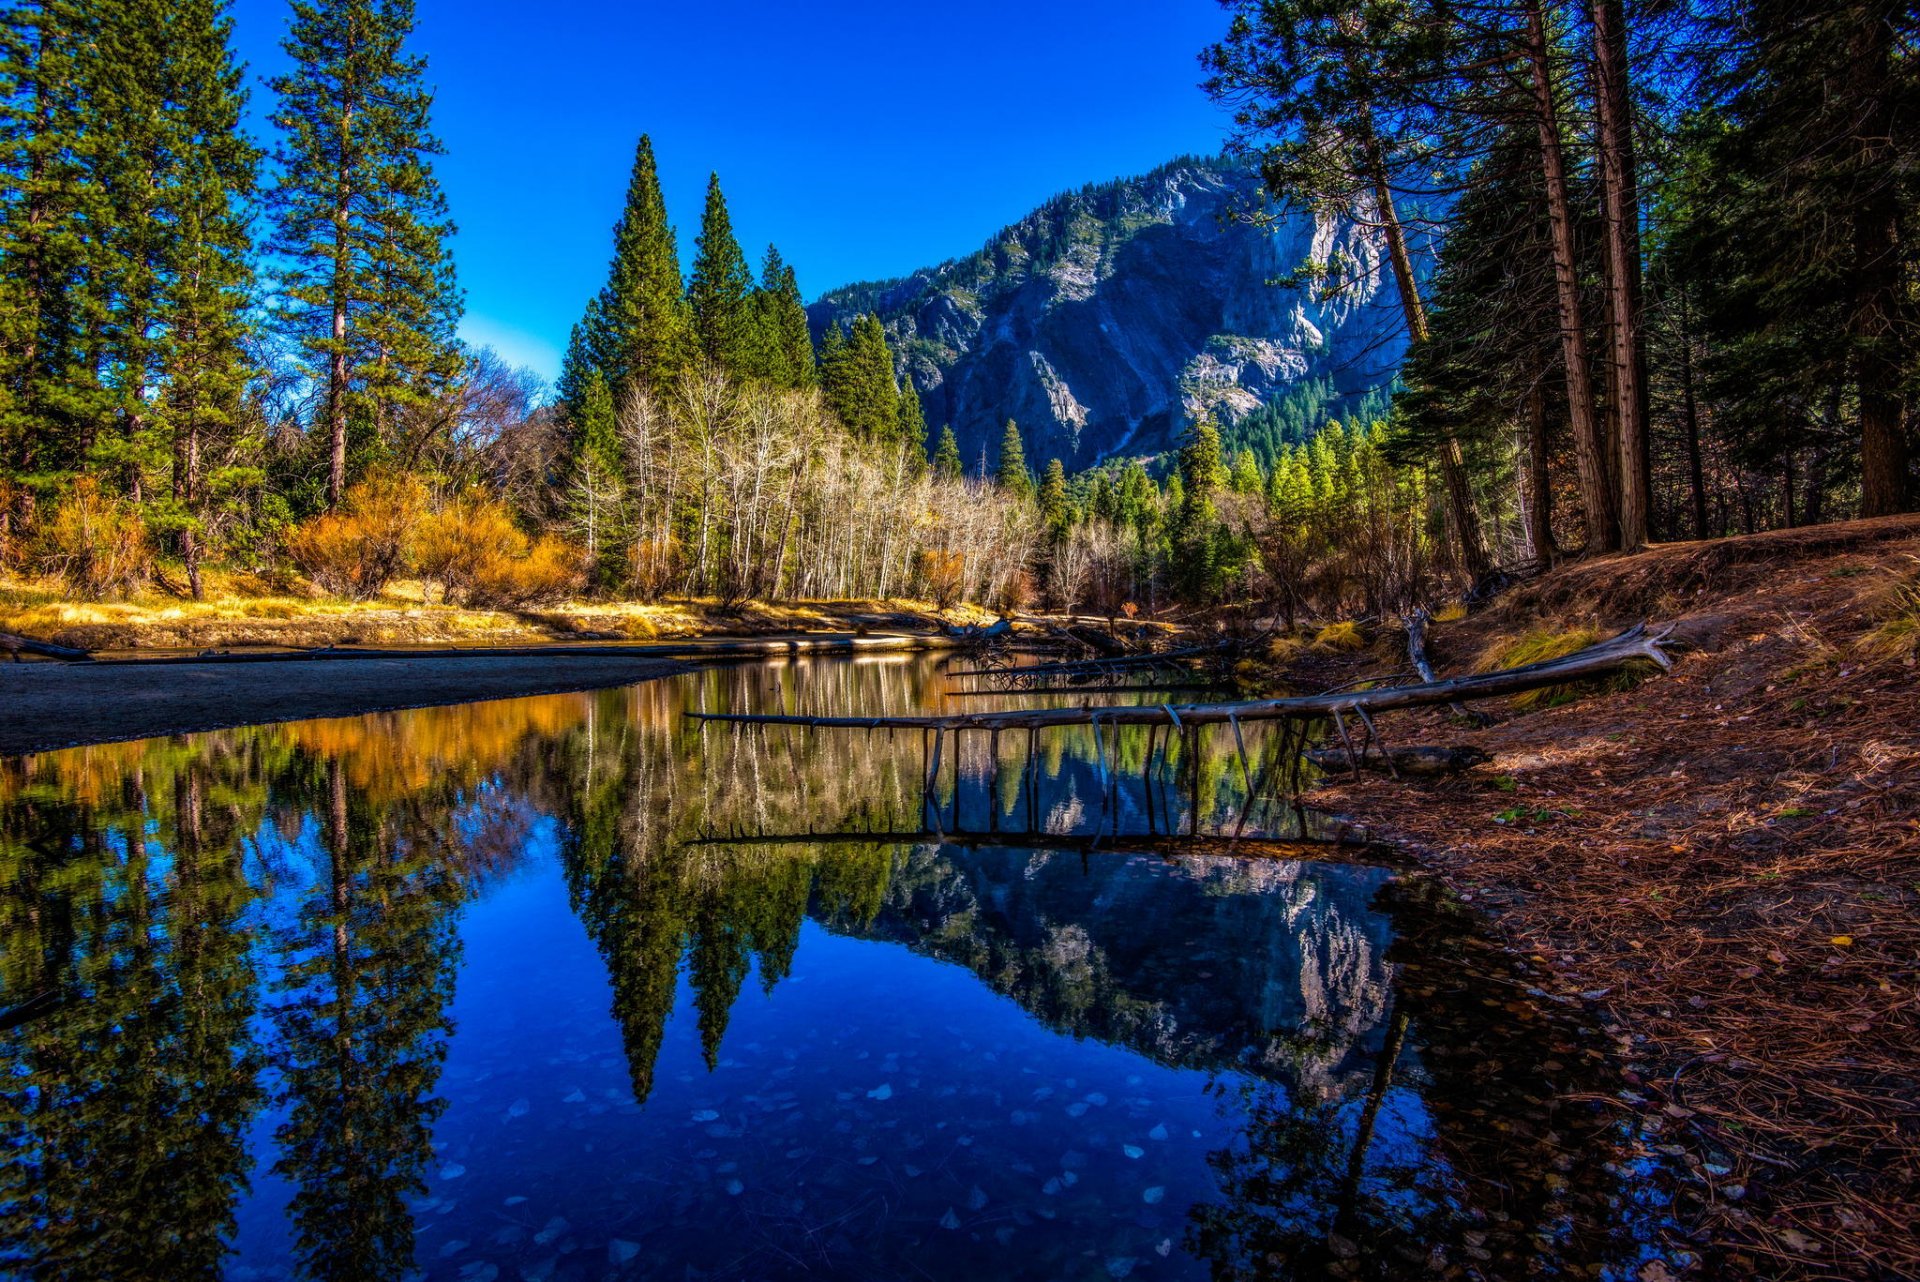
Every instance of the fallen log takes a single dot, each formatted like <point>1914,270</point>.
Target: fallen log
<point>1422,761</point>
<point>1150,687</point>
<point>1166,658</point>
<point>18,645</point>
<point>1636,645</point>
<point>1417,651</point>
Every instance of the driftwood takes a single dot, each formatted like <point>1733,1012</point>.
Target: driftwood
<point>17,646</point>
<point>1149,687</point>
<point>1163,658</point>
<point>1417,651</point>
<point>1633,646</point>
<point>1421,761</point>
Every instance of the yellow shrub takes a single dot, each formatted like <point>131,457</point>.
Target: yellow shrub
<point>944,575</point>
<point>1451,614</point>
<point>367,542</point>
<point>550,570</point>
<point>95,543</point>
<point>1340,636</point>
<point>465,542</point>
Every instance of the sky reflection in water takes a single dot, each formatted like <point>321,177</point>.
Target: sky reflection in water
<point>473,993</point>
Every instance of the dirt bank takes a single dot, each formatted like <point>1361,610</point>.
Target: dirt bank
<point>1725,863</point>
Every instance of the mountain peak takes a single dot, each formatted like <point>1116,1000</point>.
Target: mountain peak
<point>1110,318</point>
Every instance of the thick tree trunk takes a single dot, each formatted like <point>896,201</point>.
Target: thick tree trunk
<point>1690,420</point>
<point>1589,438</point>
<point>1879,285</point>
<point>1621,205</point>
<point>1539,484</point>
<point>186,492</point>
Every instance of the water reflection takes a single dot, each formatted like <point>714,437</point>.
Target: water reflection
<point>294,1001</point>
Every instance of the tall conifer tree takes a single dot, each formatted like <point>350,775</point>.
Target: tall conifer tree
<point>786,346</point>
<point>359,219</point>
<point>1011,470</point>
<point>912,428</point>
<point>48,314</point>
<point>721,292</point>
<point>207,281</point>
<point>637,331</point>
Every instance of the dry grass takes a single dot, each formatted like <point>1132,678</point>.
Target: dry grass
<point>1896,608</point>
<point>244,611</point>
<point>1340,638</point>
<point>1537,646</point>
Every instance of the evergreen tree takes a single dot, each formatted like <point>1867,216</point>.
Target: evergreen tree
<point>207,280</point>
<point>1011,471</point>
<point>912,429</point>
<point>1810,210</point>
<point>784,341</point>
<point>1055,511</point>
<point>946,458</point>
<point>49,312</point>
<point>720,295</point>
<point>637,332</point>
<point>360,223</point>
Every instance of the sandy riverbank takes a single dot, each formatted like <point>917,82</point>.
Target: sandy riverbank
<point>55,705</point>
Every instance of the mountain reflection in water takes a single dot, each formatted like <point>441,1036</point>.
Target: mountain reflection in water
<point>331,999</point>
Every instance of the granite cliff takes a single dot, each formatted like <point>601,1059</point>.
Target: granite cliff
<point>1109,319</point>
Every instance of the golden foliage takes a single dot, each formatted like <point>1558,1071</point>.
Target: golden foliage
<point>96,544</point>
<point>366,543</point>
<point>944,576</point>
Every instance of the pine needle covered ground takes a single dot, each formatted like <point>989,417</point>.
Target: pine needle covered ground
<point>1724,862</point>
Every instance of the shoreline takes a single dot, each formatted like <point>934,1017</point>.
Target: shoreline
<point>1722,865</point>
<point>47,706</point>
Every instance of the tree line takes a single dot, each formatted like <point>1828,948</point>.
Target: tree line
<point>1676,274</point>
<point>215,354</point>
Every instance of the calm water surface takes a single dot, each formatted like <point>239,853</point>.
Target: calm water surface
<point>522,990</point>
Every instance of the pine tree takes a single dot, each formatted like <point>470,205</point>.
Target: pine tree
<point>359,219</point>
<point>1055,512</point>
<point>207,273</point>
<point>638,332</point>
<point>49,313</point>
<point>721,292</point>
<point>912,429</point>
<point>946,458</point>
<point>1011,471</point>
<point>832,365</point>
<point>782,337</point>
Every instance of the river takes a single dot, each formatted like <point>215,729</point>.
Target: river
<point>530,990</point>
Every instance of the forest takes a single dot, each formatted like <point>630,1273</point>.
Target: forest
<point>1674,299</point>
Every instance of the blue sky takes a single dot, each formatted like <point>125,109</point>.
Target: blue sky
<point>865,139</point>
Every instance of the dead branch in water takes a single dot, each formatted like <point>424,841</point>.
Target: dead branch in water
<point>1630,647</point>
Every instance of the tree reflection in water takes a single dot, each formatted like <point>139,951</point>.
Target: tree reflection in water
<point>258,933</point>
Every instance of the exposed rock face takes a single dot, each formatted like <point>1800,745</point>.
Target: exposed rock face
<point>1108,320</point>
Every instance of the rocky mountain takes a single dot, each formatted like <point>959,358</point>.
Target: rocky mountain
<point>1109,319</point>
